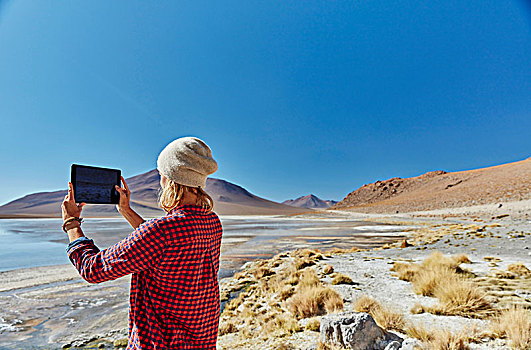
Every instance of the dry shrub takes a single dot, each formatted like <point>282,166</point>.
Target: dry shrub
<point>503,274</point>
<point>342,279</point>
<point>519,269</point>
<point>461,259</point>
<point>262,272</point>
<point>441,277</point>
<point>311,254</point>
<point>284,323</point>
<point>426,281</point>
<point>417,309</point>
<point>460,297</point>
<point>325,346</point>
<point>339,251</point>
<point>284,347</point>
<point>224,295</point>
<point>419,332</point>
<point>309,278</point>
<point>365,304</point>
<point>515,324</point>
<point>226,328</point>
<point>234,303</point>
<point>328,269</point>
<point>406,272</point>
<point>313,324</point>
<point>389,319</point>
<point>437,260</point>
<point>286,292</point>
<point>446,340</point>
<point>303,263</point>
<point>439,339</point>
<point>311,298</point>
<point>384,316</point>
<point>492,259</point>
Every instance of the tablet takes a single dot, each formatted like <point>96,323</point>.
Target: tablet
<point>95,185</point>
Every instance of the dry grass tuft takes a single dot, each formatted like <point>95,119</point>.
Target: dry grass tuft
<point>519,269</point>
<point>426,281</point>
<point>324,346</point>
<point>226,328</point>
<point>515,324</point>
<point>417,309</point>
<point>406,272</point>
<point>284,323</point>
<point>384,316</point>
<point>443,278</point>
<point>311,298</point>
<point>313,324</point>
<point>309,278</point>
<point>462,259</point>
<point>491,259</point>
<point>339,251</point>
<point>439,339</point>
<point>328,269</point>
<point>365,304</point>
<point>342,279</point>
<point>460,297</point>
<point>303,263</point>
<point>286,292</point>
<point>262,272</point>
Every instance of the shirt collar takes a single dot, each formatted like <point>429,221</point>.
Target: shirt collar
<point>188,208</point>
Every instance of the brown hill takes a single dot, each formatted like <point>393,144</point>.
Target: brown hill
<point>229,199</point>
<point>440,189</point>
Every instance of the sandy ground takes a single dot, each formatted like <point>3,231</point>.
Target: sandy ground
<point>51,307</point>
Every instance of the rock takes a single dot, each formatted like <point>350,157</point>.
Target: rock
<point>394,345</point>
<point>355,330</point>
<point>405,244</point>
<point>120,343</point>
<point>411,344</point>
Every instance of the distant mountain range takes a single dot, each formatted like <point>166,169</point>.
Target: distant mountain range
<point>440,189</point>
<point>229,199</point>
<point>310,202</point>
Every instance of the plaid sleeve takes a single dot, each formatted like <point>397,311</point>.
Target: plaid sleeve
<point>139,251</point>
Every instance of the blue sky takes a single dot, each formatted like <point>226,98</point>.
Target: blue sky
<point>293,96</point>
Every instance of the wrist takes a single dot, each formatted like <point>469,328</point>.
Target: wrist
<point>124,210</point>
<point>71,222</point>
<point>71,225</point>
<point>75,233</point>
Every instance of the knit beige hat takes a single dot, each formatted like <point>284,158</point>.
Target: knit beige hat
<point>187,161</point>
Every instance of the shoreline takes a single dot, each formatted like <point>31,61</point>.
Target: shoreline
<point>69,299</point>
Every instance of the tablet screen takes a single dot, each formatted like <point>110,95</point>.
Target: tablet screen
<point>95,185</point>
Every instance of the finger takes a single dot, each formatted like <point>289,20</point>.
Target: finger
<point>125,184</point>
<point>71,191</point>
<point>81,205</point>
<point>121,191</point>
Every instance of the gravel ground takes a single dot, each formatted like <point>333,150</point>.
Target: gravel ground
<point>370,270</point>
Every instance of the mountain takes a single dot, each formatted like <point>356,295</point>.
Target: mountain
<point>441,189</point>
<point>310,201</point>
<point>229,199</point>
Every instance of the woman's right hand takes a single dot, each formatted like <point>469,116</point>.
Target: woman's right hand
<point>125,196</point>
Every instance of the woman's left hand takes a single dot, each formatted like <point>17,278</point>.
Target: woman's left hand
<point>69,207</point>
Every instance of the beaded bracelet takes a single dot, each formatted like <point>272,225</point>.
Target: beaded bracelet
<point>80,220</point>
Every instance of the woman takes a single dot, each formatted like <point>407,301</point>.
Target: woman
<point>174,259</point>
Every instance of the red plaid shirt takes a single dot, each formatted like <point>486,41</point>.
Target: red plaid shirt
<point>174,301</point>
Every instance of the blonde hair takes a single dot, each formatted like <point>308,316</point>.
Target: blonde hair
<point>172,194</point>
